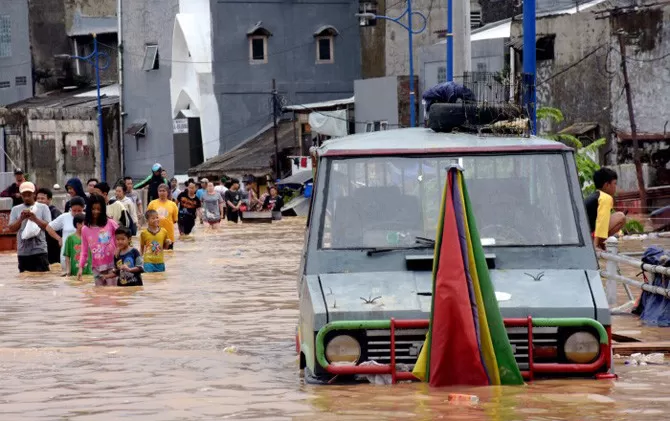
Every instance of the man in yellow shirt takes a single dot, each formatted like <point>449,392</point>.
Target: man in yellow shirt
<point>602,221</point>
<point>167,211</point>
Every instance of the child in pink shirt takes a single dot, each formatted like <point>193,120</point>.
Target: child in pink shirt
<point>97,237</point>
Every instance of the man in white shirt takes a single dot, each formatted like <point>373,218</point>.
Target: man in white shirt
<point>31,251</point>
<point>126,201</point>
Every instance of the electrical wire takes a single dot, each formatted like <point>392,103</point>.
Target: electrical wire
<point>245,59</point>
<point>643,60</point>
<point>252,124</point>
<point>572,66</point>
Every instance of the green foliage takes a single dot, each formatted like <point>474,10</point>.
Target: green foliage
<point>633,226</point>
<point>549,113</point>
<point>584,156</point>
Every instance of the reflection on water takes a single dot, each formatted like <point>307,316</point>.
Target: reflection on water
<point>71,351</point>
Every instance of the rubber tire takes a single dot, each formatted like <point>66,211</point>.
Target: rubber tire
<point>446,117</point>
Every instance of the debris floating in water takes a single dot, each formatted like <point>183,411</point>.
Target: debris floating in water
<point>458,397</point>
<point>644,359</point>
<point>230,349</point>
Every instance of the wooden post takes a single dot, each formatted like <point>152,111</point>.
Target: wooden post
<point>633,126</point>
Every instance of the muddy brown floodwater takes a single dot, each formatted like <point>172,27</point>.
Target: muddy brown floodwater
<point>69,351</point>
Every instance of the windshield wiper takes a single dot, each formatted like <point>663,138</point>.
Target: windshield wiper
<point>425,240</point>
<point>422,243</point>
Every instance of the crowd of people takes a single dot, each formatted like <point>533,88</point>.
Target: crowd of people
<point>93,235</point>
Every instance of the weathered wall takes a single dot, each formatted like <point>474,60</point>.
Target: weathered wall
<point>582,92</point>
<point>48,36</point>
<point>495,10</point>
<point>50,21</point>
<point>54,144</point>
<point>373,46</point>
<point>376,100</point>
<point>107,43</point>
<point>397,41</point>
<point>93,8</point>
<point>649,76</point>
<point>17,64</point>
<point>404,108</point>
<point>243,89</point>
<point>649,72</point>
<point>146,95</point>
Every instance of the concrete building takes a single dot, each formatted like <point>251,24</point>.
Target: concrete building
<point>578,71</point>
<point>488,54</point>
<point>382,103</point>
<point>54,137</point>
<point>148,134</point>
<point>194,105</point>
<point>312,50</point>
<point>65,27</point>
<point>15,63</point>
<point>213,91</point>
<point>385,45</point>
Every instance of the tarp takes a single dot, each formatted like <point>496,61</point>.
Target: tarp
<point>654,309</point>
<point>330,123</point>
<point>467,343</point>
<point>301,177</point>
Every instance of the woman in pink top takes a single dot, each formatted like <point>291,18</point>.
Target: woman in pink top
<point>97,237</point>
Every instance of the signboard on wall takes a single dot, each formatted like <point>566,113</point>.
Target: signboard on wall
<point>180,125</point>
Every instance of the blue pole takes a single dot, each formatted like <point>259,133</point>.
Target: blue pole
<point>529,63</point>
<point>412,96</point>
<point>450,40</point>
<point>103,170</point>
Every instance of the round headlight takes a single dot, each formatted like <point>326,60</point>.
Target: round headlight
<point>343,350</point>
<point>581,348</point>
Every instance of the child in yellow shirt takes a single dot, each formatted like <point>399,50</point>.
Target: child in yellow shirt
<point>153,241</point>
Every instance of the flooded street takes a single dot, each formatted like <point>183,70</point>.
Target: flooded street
<point>213,338</point>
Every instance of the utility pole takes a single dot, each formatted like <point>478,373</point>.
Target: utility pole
<point>529,63</point>
<point>633,126</point>
<point>275,106</point>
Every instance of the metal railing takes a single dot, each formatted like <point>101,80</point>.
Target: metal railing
<point>612,274</point>
<point>604,356</point>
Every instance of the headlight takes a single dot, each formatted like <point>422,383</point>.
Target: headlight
<point>581,348</point>
<point>343,350</point>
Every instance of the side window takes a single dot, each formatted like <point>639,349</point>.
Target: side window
<point>325,44</point>
<point>258,49</point>
<point>150,57</point>
<point>258,43</point>
<point>5,36</point>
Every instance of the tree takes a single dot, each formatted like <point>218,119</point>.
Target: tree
<point>585,156</point>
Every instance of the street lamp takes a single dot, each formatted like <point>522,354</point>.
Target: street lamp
<point>410,32</point>
<point>94,59</point>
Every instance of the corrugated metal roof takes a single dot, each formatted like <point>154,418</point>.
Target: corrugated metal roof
<point>426,140</point>
<point>64,99</point>
<point>138,128</point>
<point>252,157</point>
<point>564,7</point>
<point>320,105</point>
<point>579,129</point>
<point>300,177</point>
